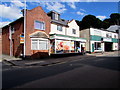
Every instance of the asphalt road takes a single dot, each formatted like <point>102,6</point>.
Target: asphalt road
<point>94,72</point>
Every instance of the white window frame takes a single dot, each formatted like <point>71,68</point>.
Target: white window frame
<point>58,28</point>
<point>39,22</point>
<point>56,16</point>
<point>38,40</point>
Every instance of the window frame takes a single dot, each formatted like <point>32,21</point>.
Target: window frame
<point>39,22</point>
<point>58,28</point>
<point>96,45</point>
<point>56,16</point>
<point>38,41</point>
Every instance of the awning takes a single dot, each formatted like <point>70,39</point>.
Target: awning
<point>65,37</point>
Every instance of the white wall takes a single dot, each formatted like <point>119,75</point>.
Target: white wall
<point>115,46</point>
<point>54,30</point>
<point>72,25</point>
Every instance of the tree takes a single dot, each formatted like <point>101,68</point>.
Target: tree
<point>115,18</point>
<point>90,21</point>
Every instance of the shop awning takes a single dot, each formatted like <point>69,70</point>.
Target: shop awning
<point>65,37</point>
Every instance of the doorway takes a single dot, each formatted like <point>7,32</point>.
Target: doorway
<point>108,46</point>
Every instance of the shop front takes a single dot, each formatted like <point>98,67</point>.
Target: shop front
<point>61,44</point>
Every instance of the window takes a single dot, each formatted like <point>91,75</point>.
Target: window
<point>97,46</point>
<point>115,36</point>
<point>73,31</point>
<point>56,16</point>
<point>59,28</point>
<point>39,45</point>
<point>39,25</point>
<point>34,45</point>
<point>12,29</point>
<point>108,35</point>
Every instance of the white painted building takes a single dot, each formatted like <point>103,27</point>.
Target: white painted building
<point>64,35</point>
<point>100,40</point>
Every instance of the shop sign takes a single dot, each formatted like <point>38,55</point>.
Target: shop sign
<point>107,39</point>
<point>21,38</point>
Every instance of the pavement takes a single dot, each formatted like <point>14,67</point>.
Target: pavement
<point>8,61</point>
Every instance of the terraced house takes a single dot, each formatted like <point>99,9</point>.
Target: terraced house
<point>64,35</point>
<point>99,40</point>
<point>40,34</point>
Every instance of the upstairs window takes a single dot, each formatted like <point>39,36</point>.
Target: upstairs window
<point>59,28</point>
<point>56,16</point>
<point>115,36</point>
<point>108,35</point>
<point>39,25</point>
<point>73,31</point>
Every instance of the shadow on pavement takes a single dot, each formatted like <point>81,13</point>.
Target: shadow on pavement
<point>112,63</point>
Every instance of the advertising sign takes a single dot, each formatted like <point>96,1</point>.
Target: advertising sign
<point>63,46</point>
<point>21,38</point>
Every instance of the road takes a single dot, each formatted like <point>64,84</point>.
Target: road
<point>93,72</point>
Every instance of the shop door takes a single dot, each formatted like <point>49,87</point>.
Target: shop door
<point>108,46</point>
<point>93,47</point>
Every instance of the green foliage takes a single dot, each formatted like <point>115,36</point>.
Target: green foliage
<point>91,21</point>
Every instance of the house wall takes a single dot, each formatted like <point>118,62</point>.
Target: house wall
<point>32,15</point>
<point>54,29</point>
<point>16,47</point>
<point>72,25</point>
<point>5,41</point>
<point>86,34</point>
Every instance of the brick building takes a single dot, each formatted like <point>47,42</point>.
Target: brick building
<point>37,30</point>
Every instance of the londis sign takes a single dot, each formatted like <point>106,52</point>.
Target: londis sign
<point>21,38</point>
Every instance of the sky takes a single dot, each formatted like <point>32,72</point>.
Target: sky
<point>73,9</point>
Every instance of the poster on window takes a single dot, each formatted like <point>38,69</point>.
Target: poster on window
<point>59,46</point>
<point>64,46</point>
<point>72,45</point>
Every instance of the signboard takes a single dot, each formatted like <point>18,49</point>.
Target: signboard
<point>21,38</point>
<point>107,39</point>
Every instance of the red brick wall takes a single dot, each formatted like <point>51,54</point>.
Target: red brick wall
<point>17,47</point>
<point>5,41</point>
<point>32,15</point>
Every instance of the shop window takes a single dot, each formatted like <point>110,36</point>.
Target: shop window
<point>39,25</point>
<point>39,45</point>
<point>59,28</point>
<point>73,31</point>
<point>97,46</point>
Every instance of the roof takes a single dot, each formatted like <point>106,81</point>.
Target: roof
<point>59,22</point>
<point>13,22</point>
<point>53,12</point>
<point>114,28</point>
